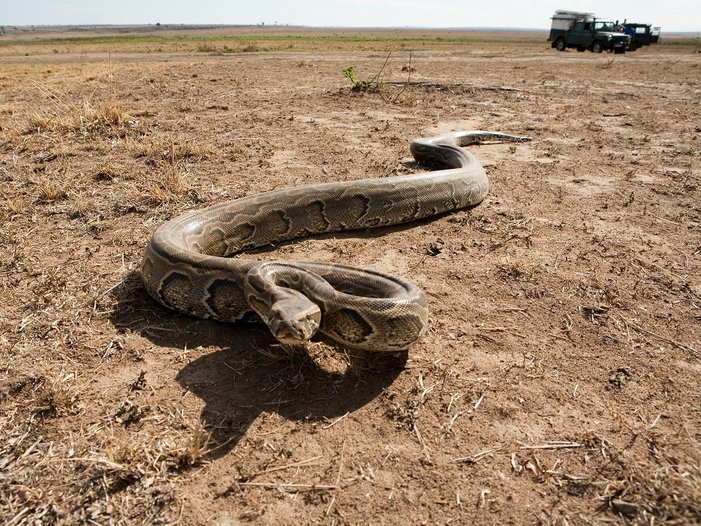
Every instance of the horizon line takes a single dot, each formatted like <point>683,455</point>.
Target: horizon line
<point>301,26</point>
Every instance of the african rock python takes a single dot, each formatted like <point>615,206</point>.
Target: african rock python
<point>186,265</point>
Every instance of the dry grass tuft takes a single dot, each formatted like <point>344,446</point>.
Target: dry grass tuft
<point>166,179</point>
<point>16,206</point>
<point>145,453</point>
<point>50,191</point>
<point>191,449</point>
<point>106,172</point>
<point>170,150</point>
<point>55,397</point>
<point>62,113</point>
<point>109,113</point>
<point>515,271</point>
<point>165,186</point>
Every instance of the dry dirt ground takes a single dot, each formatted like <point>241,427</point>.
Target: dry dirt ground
<point>558,382</point>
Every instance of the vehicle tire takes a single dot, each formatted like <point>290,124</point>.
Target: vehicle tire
<point>560,44</point>
<point>633,46</point>
<point>596,47</point>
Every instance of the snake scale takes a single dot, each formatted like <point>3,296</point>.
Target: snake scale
<point>187,264</point>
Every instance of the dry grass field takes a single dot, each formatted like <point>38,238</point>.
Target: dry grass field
<point>558,382</point>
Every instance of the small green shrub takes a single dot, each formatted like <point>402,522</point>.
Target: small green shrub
<point>373,84</point>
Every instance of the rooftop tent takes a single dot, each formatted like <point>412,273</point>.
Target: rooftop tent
<point>564,19</point>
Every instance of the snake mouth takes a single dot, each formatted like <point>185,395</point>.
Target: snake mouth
<point>290,341</point>
<point>290,334</point>
<point>295,330</point>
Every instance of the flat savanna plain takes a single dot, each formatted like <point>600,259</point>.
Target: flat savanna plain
<point>557,383</point>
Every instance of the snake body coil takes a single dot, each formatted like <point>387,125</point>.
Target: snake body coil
<point>187,265</point>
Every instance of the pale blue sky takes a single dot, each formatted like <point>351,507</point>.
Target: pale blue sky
<point>672,15</point>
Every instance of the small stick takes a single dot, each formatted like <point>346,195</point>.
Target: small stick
<point>497,88</point>
<point>518,468</point>
<point>408,80</point>
<point>340,464</point>
<point>109,463</point>
<point>307,487</point>
<point>478,456</point>
<point>286,466</point>
<point>654,423</point>
<point>376,78</point>
<point>512,309</point>
<point>482,500</point>
<point>675,343</point>
<point>479,402</point>
<point>99,296</point>
<point>553,445</point>
<point>503,329</point>
<point>31,448</point>
<point>453,398</point>
<point>333,423</point>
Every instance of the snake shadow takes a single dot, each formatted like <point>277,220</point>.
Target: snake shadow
<point>250,374</point>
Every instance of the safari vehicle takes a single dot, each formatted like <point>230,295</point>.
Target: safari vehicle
<point>640,34</point>
<point>582,31</point>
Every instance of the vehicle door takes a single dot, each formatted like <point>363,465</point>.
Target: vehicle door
<point>579,35</point>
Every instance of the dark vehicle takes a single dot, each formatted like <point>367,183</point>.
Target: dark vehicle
<point>640,34</point>
<point>582,31</point>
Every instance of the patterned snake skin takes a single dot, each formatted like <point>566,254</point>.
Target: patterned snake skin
<point>187,266</point>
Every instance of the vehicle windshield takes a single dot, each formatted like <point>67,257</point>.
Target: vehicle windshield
<point>604,26</point>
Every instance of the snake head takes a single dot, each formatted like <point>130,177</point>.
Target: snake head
<point>294,320</point>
